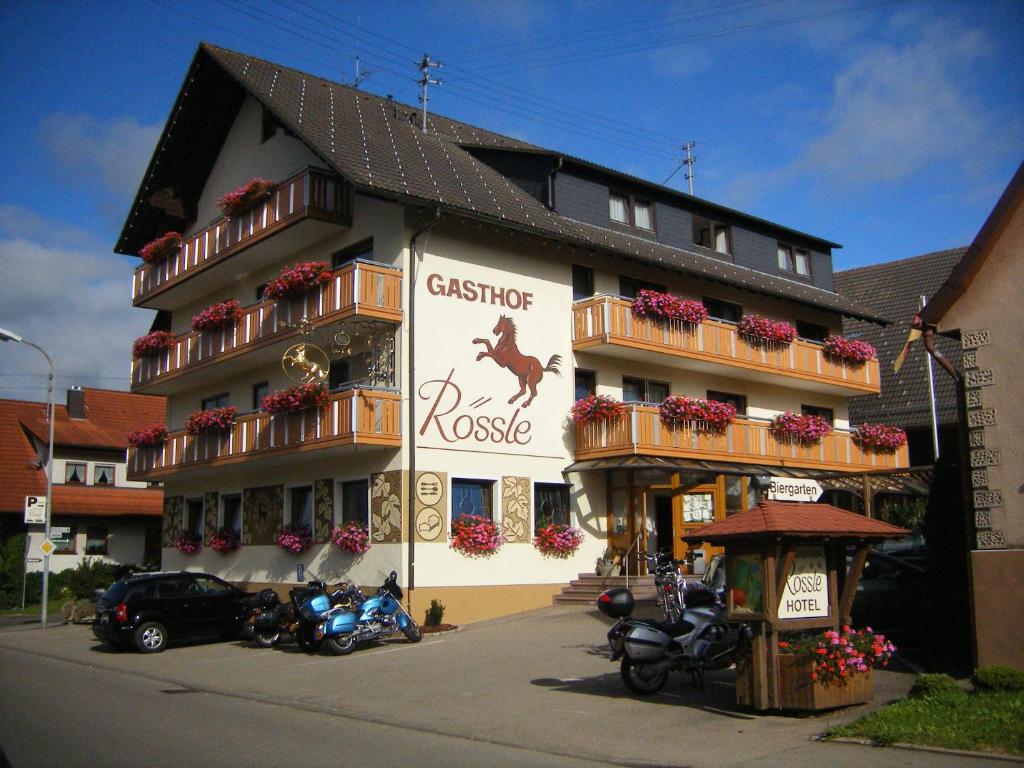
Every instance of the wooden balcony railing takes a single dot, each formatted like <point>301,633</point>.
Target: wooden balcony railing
<point>610,320</point>
<point>640,432</point>
<point>310,193</point>
<point>357,289</point>
<point>353,417</point>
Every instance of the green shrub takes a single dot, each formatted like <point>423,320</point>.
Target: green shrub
<point>935,686</point>
<point>998,677</point>
<point>434,614</point>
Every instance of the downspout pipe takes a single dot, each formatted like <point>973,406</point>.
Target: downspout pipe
<point>551,183</point>
<point>928,339</point>
<point>415,255</point>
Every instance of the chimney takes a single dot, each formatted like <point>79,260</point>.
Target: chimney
<point>76,403</point>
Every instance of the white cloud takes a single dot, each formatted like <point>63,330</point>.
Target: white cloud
<point>72,300</point>
<point>114,152</point>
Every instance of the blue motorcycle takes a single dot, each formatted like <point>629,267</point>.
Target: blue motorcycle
<point>342,628</point>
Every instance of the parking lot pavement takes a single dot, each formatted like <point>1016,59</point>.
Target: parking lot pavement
<point>541,679</point>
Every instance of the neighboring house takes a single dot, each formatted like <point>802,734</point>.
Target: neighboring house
<point>476,287</point>
<point>107,516</point>
<point>894,289</point>
<point>980,304</point>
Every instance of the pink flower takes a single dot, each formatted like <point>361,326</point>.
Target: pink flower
<point>755,327</point>
<point>352,537</point>
<point>662,305</point>
<point>297,398</point>
<point>188,543</point>
<point>850,350</point>
<point>294,539</point>
<point>217,316</point>
<point>594,408</point>
<point>154,342</point>
<point>215,420</point>
<point>879,437</point>
<point>148,437</point>
<point>557,540</point>
<point>297,279</point>
<point>235,202</point>
<point>711,415</point>
<point>475,536</point>
<point>804,428</point>
<point>161,247</point>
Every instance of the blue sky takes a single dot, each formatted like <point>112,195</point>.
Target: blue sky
<point>890,127</point>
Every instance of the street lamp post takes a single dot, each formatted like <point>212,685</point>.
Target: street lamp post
<point>6,335</point>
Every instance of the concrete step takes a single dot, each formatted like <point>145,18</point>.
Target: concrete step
<point>588,586</point>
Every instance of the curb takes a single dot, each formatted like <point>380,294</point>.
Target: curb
<point>926,748</point>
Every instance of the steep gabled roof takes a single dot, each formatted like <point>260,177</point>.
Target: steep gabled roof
<point>109,417</point>
<point>894,289</point>
<point>376,145</point>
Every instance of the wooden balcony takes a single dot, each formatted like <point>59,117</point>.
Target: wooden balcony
<point>356,417</point>
<point>312,195</point>
<point>606,325</point>
<point>747,441</point>
<point>359,289</point>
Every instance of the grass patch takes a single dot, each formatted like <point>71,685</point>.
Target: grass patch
<point>33,610</point>
<point>982,721</point>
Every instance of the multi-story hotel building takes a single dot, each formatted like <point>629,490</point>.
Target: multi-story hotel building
<point>478,287</point>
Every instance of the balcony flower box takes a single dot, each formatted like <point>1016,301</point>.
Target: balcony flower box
<point>217,316</point>
<point>664,306</point>
<point>700,414</point>
<point>214,420</point>
<point>475,536</point>
<point>188,543</point>
<point>557,540</point>
<point>761,329</point>
<point>160,248</point>
<point>848,350</point>
<point>880,438</point>
<point>803,428</point>
<point>154,342</point>
<point>596,408</point>
<point>293,538</point>
<point>254,190</point>
<point>148,437</point>
<point>224,542</point>
<point>351,537</point>
<point>297,398</point>
<point>297,279</point>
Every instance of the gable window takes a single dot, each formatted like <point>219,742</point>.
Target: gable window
<point>739,402</point>
<point>618,207</point>
<point>551,502</point>
<point>74,472</point>
<point>300,506</point>
<point>104,474</point>
<point>643,390</point>
<point>96,540</point>
<point>582,282</point>
<point>814,410</point>
<point>472,497</point>
<point>722,310</point>
<point>231,514</point>
<point>712,234</point>
<point>629,287</point>
<point>216,401</point>
<point>585,385</point>
<point>794,260</point>
<point>643,214</point>
<point>811,331</point>
<point>363,250</point>
<point>355,502</point>
<point>259,391</point>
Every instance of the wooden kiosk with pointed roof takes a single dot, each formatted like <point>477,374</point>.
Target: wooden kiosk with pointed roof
<point>786,570</point>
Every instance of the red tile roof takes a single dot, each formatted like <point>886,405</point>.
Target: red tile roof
<point>19,474</point>
<point>106,501</point>
<point>771,519</point>
<point>109,417</point>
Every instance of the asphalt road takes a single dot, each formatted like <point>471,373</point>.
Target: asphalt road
<point>533,690</point>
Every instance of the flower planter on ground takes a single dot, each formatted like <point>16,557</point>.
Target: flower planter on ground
<point>798,691</point>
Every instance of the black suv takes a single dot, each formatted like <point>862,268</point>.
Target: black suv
<point>148,610</point>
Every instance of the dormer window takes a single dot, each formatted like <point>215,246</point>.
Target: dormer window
<point>633,211</point>
<point>643,216</point>
<point>618,207</point>
<point>712,234</point>
<point>794,260</point>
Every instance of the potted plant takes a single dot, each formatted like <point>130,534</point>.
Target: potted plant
<point>217,316</point>
<point>297,398</point>
<point>148,437</point>
<point>802,428</point>
<point>848,350</point>
<point>224,541</point>
<point>880,438</point>
<point>294,539</point>
<point>154,342</point>
<point>189,543</point>
<point>558,540</point>
<point>665,306</point>
<point>596,408</point>
<point>233,203</point>
<point>161,247</point>
<point>297,279</point>
<point>351,537</point>
<point>710,415</point>
<point>213,420</point>
<point>475,536</point>
<point>758,328</point>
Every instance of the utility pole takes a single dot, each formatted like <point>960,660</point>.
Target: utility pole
<point>689,161</point>
<point>425,65</point>
<point>931,393</point>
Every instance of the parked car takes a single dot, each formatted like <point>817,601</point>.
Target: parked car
<point>149,610</point>
<point>890,596</point>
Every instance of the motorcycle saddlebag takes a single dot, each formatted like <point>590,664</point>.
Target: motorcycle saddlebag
<point>341,624</point>
<point>646,643</point>
<point>616,602</point>
<point>268,620</point>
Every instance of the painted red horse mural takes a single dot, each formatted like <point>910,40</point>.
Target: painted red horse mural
<point>507,355</point>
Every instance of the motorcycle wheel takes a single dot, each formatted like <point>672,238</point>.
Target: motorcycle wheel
<point>641,678</point>
<point>266,639</point>
<point>412,631</point>
<point>341,646</point>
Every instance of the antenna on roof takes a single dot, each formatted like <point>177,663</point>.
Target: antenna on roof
<point>425,66</point>
<point>689,161</point>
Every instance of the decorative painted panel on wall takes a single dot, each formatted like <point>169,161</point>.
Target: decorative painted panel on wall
<point>386,507</point>
<point>210,504</point>
<point>263,513</point>
<point>429,507</point>
<point>323,510</point>
<point>515,509</point>
<point>174,513</point>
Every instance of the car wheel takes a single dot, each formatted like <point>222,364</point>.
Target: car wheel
<point>150,637</point>
<point>640,678</point>
<point>412,631</point>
